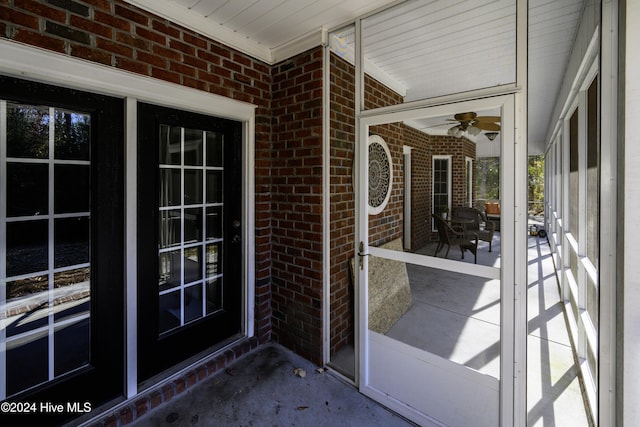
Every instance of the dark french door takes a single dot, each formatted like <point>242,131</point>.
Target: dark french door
<point>190,235</point>
<point>61,240</point>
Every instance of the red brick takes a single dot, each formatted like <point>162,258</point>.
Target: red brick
<point>142,407</point>
<point>129,40</point>
<point>165,75</point>
<point>116,48</point>
<point>19,18</point>
<point>91,26</point>
<point>182,47</point>
<point>41,9</point>
<point>100,4</point>
<point>112,21</point>
<point>39,40</point>
<point>154,60</point>
<point>163,27</point>
<point>131,15</point>
<point>169,54</point>
<point>152,36</point>
<point>131,65</point>
<point>90,54</point>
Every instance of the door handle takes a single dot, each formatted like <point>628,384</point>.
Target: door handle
<point>361,254</point>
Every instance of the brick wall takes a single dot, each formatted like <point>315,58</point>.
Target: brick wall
<point>421,186</point>
<point>422,178</point>
<point>297,204</point>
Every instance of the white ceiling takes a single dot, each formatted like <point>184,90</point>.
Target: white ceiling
<point>422,48</point>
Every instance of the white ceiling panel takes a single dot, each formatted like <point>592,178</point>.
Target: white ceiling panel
<point>436,48</point>
<point>417,47</point>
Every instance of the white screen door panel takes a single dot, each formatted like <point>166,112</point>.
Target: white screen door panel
<point>436,312</point>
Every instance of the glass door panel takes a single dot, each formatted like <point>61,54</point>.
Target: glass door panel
<point>61,210</point>
<point>46,300</point>
<point>192,199</point>
<point>434,288</point>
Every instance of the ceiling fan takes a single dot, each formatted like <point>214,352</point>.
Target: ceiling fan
<point>473,124</point>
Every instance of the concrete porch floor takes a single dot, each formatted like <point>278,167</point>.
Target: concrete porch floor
<point>261,389</point>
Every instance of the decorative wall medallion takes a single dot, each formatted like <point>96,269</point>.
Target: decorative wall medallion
<point>380,174</point>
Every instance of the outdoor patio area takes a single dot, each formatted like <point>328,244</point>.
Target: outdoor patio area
<point>464,317</point>
<point>463,314</point>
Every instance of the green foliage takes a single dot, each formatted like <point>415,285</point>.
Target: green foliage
<point>536,184</point>
<point>488,178</point>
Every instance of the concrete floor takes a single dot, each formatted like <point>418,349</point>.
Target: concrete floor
<point>262,389</point>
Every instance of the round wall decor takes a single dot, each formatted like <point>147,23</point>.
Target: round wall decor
<point>380,174</point>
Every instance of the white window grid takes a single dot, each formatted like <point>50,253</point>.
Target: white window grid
<point>52,324</point>
<point>181,246</point>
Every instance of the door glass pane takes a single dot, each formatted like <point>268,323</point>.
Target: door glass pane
<point>27,247</point>
<point>192,264</point>
<point>170,187</point>
<point>33,289</point>
<point>215,147</point>
<point>170,151</point>
<point>75,284</point>
<point>170,228</point>
<point>193,147</point>
<point>46,273</point>
<point>27,189</point>
<point>29,356</point>
<point>192,227</point>
<point>71,241</point>
<point>169,311</point>
<point>214,186</point>
<point>27,131</point>
<point>192,186</point>
<point>72,188</point>
<point>193,303</point>
<point>214,222</point>
<point>72,135</point>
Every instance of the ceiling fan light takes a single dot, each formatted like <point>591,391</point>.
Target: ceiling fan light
<point>491,135</point>
<point>473,130</point>
<point>452,131</point>
<point>459,133</point>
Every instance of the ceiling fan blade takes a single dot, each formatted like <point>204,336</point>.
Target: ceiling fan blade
<point>487,126</point>
<point>488,119</point>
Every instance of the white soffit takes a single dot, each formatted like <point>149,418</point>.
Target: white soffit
<point>269,30</point>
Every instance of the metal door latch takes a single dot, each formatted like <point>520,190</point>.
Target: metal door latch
<point>361,254</point>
